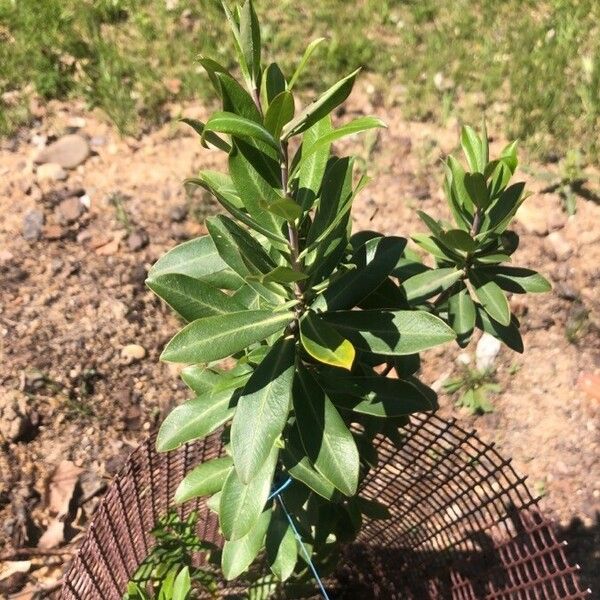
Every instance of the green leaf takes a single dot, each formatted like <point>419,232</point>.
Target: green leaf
<point>375,261</point>
<point>282,550</point>
<point>471,145</point>
<point>517,279</point>
<point>457,187</point>
<point>196,419</point>
<point>200,379</point>
<point>279,113</point>
<point>195,258</point>
<point>241,503</point>
<point>232,124</point>
<point>328,443</point>
<point>377,396</point>
<point>356,126</point>
<point>459,240</point>
<point>250,39</point>
<point>236,99</point>
<point>238,554</point>
<point>298,466</point>
<point>182,585</point>
<point>263,588</point>
<point>238,248</point>
<point>437,248</point>
<point>510,334</point>
<point>237,42</point>
<point>505,207</point>
<point>477,190</point>
<point>305,58</point>
<point>192,298</point>
<point>272,84</point>
<point>422,286</point>
<point>212,68</point>
<point>284,275</point>
<point>209,136</point>
<point>326,103</point>
<point>461,313</point>
<point>220,336</point>
<point>312,169</point>
<point>205,479</point>
<point>286,208</point>
<point>262,409</point>
<point>391,332</point>
<point>324,343</point>
<point>491,297</point>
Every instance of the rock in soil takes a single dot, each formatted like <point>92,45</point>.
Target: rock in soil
<point>69,152</point>
<point>69,210</point>
<point>557,246</point>
<point>33,222</point>
<point>50,172</point>
<point>487,350</point>
<point>178,213</point>
<point>132,353</point>
<point>137,240</point>
<point>17,421</point>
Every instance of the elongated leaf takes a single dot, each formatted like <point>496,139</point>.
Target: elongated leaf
<point>212,68</point>
<point>209,136</point>
<point>459,239</point>
<point>461,313</point>
<point>391,332</point>
<point>263,409</point>
<point>272,84</point>
<point>305,58</point>
<point>236,99</point>
<point>324,343</point>
<point>375,261</point>
<point>241,504</point>
<point>312,169</point>
<point>182,585</point>
<point>263,588</point>
<point>492,298</point>
<point>279,113</point>
<point>457,186</point>
<point>477,190</point>
<point>284,275</point>
<point>425,285</point>
<point>238,248</point>
<point>232,124</point>
<point>517,279</point>
<point>505,207</point>
<point>237,42</point>
<point>250,39</point>
<point>196,419</point>
<point>192,298</point>
<point>327,102</point>
<point>285,208</point>
<point>200,379</point>
<point>471,145</point>
<point>377,396</point>
<point>195,258</point>
<point>325,437</point>
<point>238,554</point>
<point>299,467</point>
<point>353,127</point>
<point>282,550</point>
<point>257,178</point>
<point>205,479</point>
<point>510,334</point>
<point>213,338</point>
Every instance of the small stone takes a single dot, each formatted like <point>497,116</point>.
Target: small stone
<point>178,213</point>
<point>132,353</point>
<point>422,192</point>
<point>557,246</point>
<point>69,152</point>
<point>463,359</point>
<point>53,232</point>
<point>97,141</point>
<point>137,240</point>
<point>76,123</point>
<point>17,421</point>
<point>532,219</point>
<point>33,222</point>
<point>50,172</point>
<point>486,352</point>
<point>566,292</point>
<point>70,209</point>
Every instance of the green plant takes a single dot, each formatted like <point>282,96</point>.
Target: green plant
<point>167,572</point>
<point>312,317</point>
<point>474,385</point>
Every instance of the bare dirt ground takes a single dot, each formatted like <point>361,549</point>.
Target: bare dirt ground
<point>73,301</point>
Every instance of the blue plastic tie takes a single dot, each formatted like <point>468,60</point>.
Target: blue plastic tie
<point>277,494</point>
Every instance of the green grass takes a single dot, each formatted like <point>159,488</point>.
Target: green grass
<point>532,67</point>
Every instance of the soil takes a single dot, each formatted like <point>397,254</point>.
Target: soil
<point>73,301</point>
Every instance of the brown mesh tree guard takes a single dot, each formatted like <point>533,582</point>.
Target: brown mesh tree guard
<point>463,526</point>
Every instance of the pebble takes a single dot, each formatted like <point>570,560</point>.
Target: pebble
<point>132,353</point>
<point>137,240</point>
<point>532,219</point>
<point>33,222</point>
<point>463,359</point>
<point>50,172</point>
<point>70,209</point>
<point>17,423</point>
<point>69,152</point>
<point>488,348</point>
<point>557,246</point>
<point>589,384</point>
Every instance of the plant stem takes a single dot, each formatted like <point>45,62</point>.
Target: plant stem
<point>292,230</point>
<point>476,223</point>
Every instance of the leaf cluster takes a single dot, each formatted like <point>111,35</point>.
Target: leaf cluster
<point>312,316</point>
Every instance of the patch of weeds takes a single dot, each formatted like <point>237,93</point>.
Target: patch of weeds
<point>117,201</point>
<point>578,322</point>
<point>473,388</point>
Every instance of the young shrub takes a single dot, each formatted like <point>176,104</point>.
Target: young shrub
<point>312,317</point>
